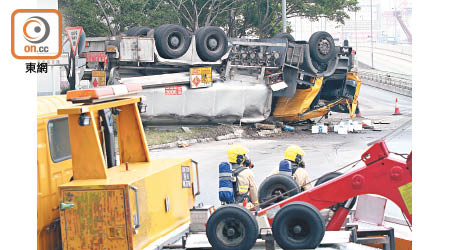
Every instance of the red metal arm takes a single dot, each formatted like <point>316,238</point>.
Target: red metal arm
<point>382,175</point>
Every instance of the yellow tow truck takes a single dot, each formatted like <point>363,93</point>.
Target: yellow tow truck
<point>88,196</point>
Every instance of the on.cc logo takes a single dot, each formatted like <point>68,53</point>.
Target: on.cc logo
<point>36,34</point>
<point>36,29</point>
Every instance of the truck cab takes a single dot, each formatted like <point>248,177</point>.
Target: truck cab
<point>96,180</point>
<point>54,167</point>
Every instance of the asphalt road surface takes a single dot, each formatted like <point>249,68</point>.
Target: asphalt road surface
<point>324,152</point>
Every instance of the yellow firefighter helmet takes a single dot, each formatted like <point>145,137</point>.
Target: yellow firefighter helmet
<point>236,153</point>
<point>294,153</point>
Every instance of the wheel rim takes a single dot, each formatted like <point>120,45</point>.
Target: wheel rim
<point>276,54</point>
<point>230,232</point>
<point>212,43</point>
<point>174,41</point>
<point>297,229</point>
<point>324,46</point>
<point>279,192</point>
<point>276,191</point>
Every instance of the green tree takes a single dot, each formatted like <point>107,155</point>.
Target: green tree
<point>263,17</point>
<point>83,13</point>
<point>260,18</point>
<point>255,17</point>
<point>111,17</point>
<point>197,13</point>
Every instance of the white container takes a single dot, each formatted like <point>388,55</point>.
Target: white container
<point>315,129</point>
<point>323,129</point>
<point>342,130</point>
<point>357,126</point>
<point>350,127</point>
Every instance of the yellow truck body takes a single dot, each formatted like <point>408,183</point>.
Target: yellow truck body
<point>290,108</point>
<point>298,108</point>
<point>105,210</point>
<point>54,167</point>
<point>140,203</point>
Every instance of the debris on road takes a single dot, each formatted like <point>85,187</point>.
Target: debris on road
<point>226,137</point>
<point>266,132</point>
<point>342,130</point>
<point>186,129</point>
<point>319,129</point>
<point>348,126</point>
<point>187,136</point>
<point>366,123</point>
<point>265,126</point>
<point>287,128</point>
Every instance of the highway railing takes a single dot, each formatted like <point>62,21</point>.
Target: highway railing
<point>394,82</point>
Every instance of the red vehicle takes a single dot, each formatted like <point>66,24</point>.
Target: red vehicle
<point>296,222</point>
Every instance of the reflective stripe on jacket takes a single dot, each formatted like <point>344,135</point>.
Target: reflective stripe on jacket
<point>247,183</point>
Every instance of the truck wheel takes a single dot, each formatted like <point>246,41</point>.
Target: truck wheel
<point>172,40</point>
<point>142,31</point>
<point>321,46</point>
<point>298,225</point>
<point>288,36</point>
<point>211,43</point>
<point>275,185</point>
<point>232,227</point>
<point>331,176</point>
<point>130,32</point>
<point>139,31</point>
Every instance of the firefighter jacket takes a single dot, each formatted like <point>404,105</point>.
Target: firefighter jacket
<point>246,184</point>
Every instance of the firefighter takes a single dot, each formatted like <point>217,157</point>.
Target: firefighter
<point>294,165</point>
<point>236,179</point>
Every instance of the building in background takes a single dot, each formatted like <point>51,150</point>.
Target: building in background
<point>390,19</point>
<point>392,37</point>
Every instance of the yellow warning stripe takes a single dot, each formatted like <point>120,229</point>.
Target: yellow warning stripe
<point>406,193</point>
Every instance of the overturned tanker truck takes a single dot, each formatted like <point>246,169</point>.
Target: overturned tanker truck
<point>205,77</point>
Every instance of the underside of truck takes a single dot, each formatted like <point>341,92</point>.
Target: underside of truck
<point>240,80</point>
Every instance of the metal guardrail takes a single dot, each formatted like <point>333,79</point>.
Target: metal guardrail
<point>394,82</point>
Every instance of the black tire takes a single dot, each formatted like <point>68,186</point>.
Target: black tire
<point>211,43</point>
<point>275,185</point>
<point>172,40</point>
<point>321,46</point>
<point>142,31</point>
<point>130,32</point>
<point>288,36</point>
<point>331,176</point>
<point>298,225</point>
<point>235,220</point>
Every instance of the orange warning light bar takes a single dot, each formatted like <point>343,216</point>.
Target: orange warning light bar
<point>103,93</point>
